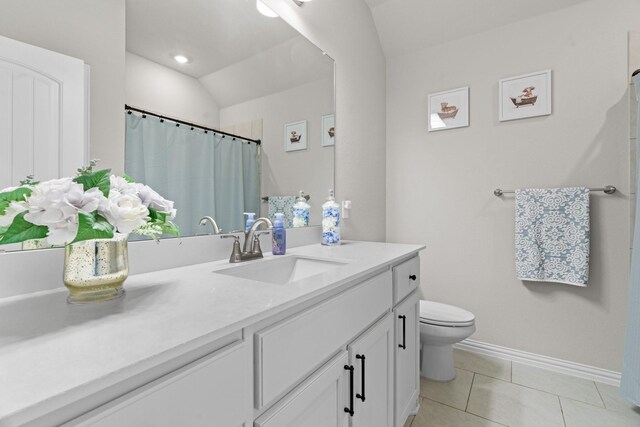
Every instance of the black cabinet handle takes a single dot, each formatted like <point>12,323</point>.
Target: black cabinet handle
<point>361,396</point>
<point>404,332</point>
<point>349,410</point>
<point>413,277</point>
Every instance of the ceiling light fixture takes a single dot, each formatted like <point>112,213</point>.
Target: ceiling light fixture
<point>265,10</point>
<point>300,2</point>
<point>181,59</point>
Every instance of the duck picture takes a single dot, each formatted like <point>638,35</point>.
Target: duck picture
<point>526,98</point>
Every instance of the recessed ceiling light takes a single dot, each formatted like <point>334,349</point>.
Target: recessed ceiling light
<point>181,59</point>
<point>265,10</point>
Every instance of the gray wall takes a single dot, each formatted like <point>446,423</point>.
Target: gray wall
<point>91,30</point>
<point>439,185</point>
<point>345,30</point>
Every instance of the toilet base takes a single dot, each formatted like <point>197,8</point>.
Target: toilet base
<point>437,362</point>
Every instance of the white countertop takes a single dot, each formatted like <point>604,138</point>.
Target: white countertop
<point>53,353</point>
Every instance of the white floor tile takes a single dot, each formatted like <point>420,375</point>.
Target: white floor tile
<point>453,393</point>
<point>513,405</point>
<point>560,384</point>
<point>614,401</point>
<point>578,414</point>
<point>481,364</point>
<point>434,414</point>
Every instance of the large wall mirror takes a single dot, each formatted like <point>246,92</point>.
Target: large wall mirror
<point>247,75</point>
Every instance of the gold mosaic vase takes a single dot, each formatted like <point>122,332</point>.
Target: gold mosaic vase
<point>94,270</point>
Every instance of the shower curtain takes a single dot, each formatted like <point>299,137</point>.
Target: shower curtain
<point>630,384</point>
<point>204,174</point>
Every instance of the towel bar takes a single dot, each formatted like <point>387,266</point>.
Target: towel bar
<point>608,189</point>
<point>266,198</point>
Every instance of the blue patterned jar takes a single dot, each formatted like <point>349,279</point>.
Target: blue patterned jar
<point>330,221</point>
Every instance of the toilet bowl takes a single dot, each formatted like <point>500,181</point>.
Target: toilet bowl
<point>441,326</point>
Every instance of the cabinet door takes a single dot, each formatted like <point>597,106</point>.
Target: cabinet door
<point>212,391</point>
<point>317,402</point>
<point>371,356</point>
<point>407,342</point>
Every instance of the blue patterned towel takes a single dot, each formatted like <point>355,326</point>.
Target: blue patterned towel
<point>552,235</point>
<point>283,204</point>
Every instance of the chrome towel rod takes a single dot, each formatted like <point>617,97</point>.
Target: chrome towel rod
<point>608,189</point>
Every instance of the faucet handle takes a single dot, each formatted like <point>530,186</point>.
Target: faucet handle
<point>236,254</point>
<point>229,236</point>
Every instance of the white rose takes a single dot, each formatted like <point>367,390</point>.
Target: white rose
<point>11,212</point>
<point>121,185</point>
<point>153,200</point>
<point>124,211</point>
<point>55,204</point>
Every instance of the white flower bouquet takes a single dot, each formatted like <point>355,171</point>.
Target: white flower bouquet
<point>93,205</point>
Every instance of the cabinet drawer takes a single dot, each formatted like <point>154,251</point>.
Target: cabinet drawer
<point>290,350</point>
<point>406,278</point>
<point>213,390</point>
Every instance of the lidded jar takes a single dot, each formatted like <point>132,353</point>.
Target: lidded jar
<point>330,221</point>
<point>301,211</point>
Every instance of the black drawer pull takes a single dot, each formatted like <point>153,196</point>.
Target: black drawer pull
<point>404,332</point>
<point>349,410</point>
<point>361,396</point>
<point>413,277</point>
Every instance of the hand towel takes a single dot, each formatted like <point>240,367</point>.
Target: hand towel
<point>283,204</point>
<point>552,235</point>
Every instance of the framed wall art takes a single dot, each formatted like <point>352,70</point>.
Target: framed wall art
<point>328,130</point>
<point>295,136</point>
<point>448,109</point>
<point>525,96</point>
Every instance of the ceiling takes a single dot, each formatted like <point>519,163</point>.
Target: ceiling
<point>409,25</point>
<point>236,53</point>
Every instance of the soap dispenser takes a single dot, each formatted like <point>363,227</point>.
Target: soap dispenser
<point>301,212</point>
<point>251,218</point>
<point>279,235</point>
<point>330,221</point>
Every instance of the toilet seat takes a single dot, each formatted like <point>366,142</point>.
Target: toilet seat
<point>438,314</point>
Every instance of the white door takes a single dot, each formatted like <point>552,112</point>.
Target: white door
<point>371,356</point>
<point>317,402</point>
<point>407,342</point>
<point>42,113</point>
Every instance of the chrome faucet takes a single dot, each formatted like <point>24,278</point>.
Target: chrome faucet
<point>207,219</point>
<point>251,248</point>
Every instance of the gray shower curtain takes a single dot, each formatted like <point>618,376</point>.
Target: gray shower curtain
<point>203,173</point>
<point>630,384</point>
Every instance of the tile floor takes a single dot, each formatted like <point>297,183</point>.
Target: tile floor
<point>490,392</point>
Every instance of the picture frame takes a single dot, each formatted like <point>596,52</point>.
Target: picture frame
<point>525,96</point>
<point>295,136</point>
<point>328,130</point>
<point>448,109</point>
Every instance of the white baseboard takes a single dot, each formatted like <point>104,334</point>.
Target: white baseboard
<point>545,362</point>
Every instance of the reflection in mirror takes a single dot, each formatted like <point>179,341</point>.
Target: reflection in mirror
<point>252,77</point>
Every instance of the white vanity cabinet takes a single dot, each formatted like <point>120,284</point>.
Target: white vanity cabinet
<point>347,359</point>
<point>213,390</point>
<point>407,343</point>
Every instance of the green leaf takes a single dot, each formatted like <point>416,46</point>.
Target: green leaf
<point>170,228</point>
<point>17,195</point>
<point>3,230</point>
<point>21,230</point>
<point>128,179</point>
<point>99,179</point>
<point>158,215</point>
<point>92,226</point>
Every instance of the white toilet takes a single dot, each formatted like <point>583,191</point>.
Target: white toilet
<point>441,326</point>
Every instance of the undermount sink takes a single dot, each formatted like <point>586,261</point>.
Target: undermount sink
<point>281,271</point>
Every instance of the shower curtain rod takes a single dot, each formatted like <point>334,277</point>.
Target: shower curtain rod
<point>193,125</point>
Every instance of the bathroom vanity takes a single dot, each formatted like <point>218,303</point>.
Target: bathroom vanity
<point>324,336</point>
